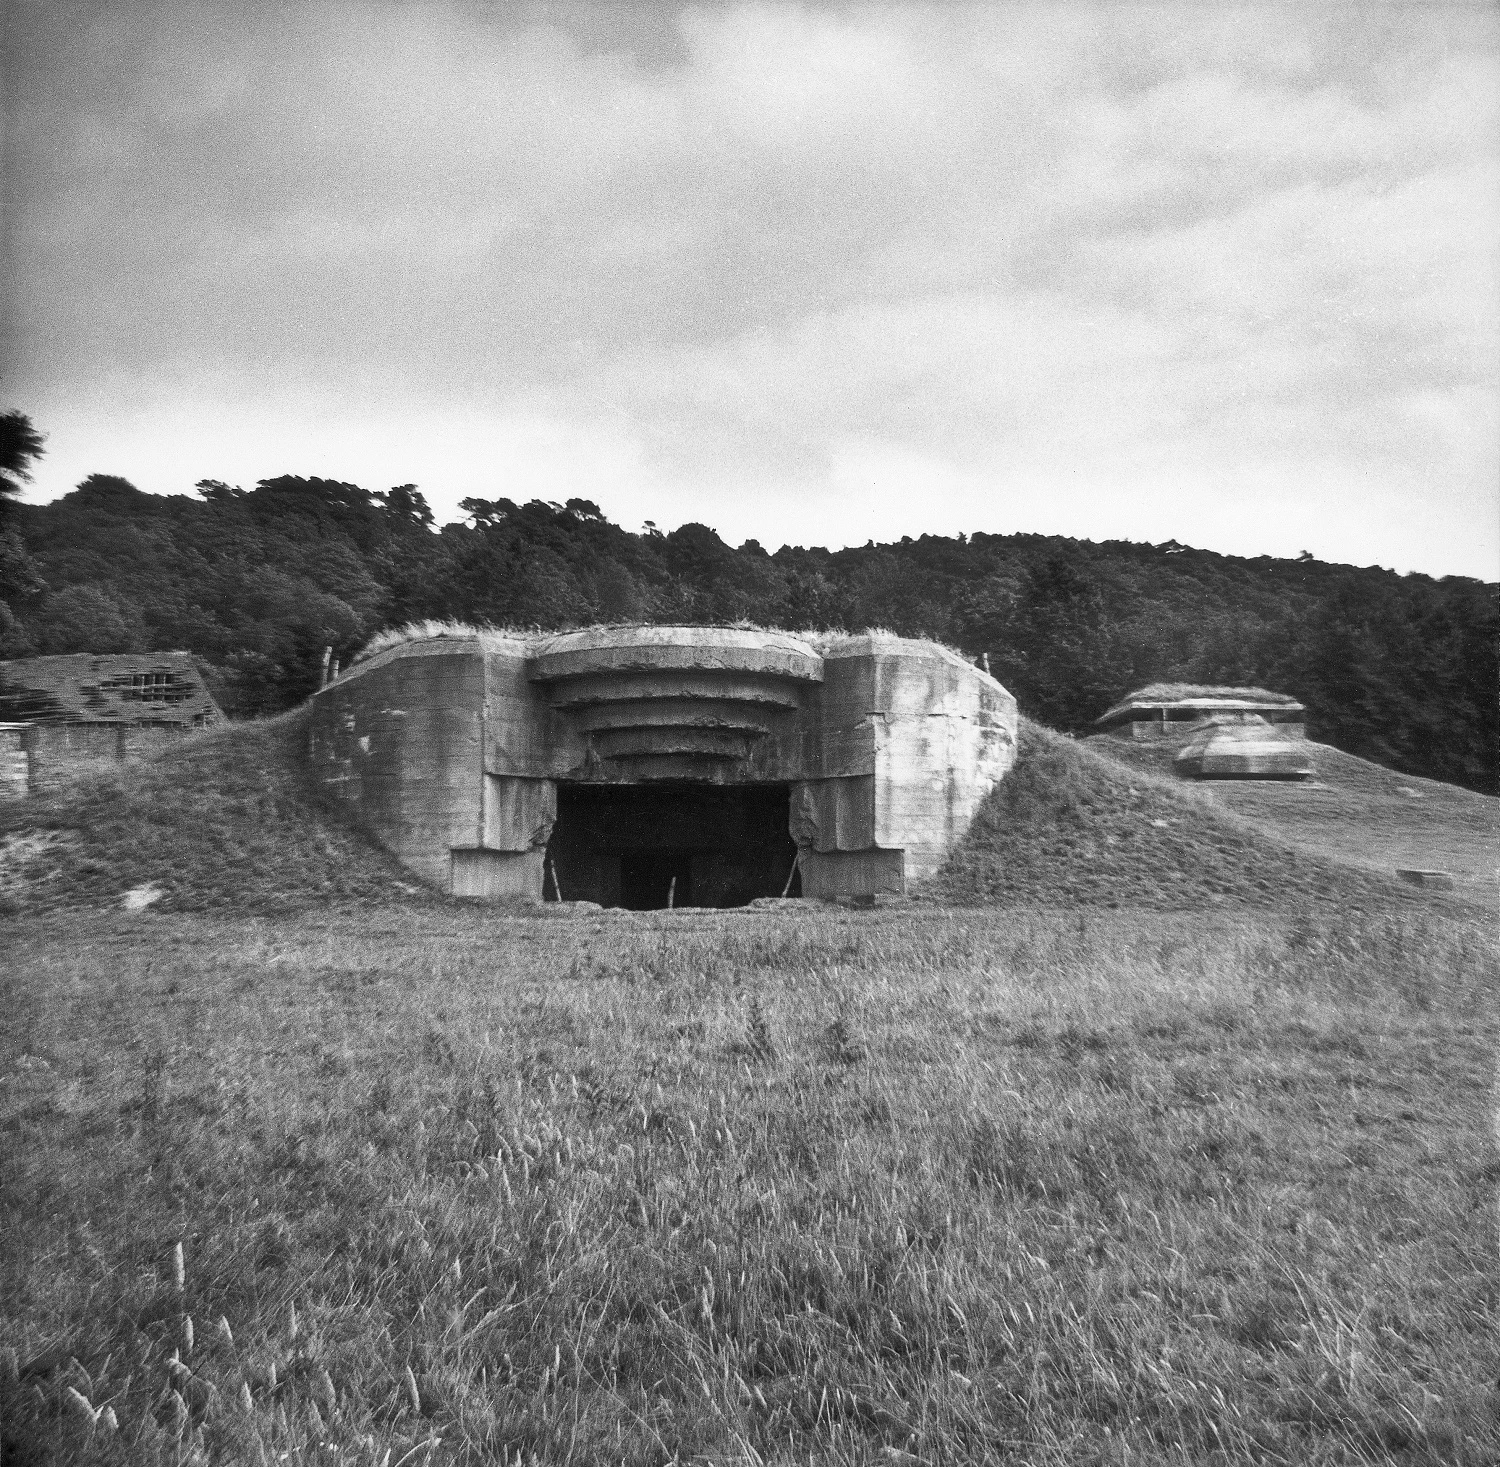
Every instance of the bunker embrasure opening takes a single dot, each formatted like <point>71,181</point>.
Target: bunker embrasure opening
<point>680,844</point>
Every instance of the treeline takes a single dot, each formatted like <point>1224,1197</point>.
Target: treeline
<point>1401,669</point>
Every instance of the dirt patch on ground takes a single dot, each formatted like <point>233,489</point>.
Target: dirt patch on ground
<point>29,859</point>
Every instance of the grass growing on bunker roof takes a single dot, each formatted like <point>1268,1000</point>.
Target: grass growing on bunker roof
<point>820,639</point>
<point>1176,692</point>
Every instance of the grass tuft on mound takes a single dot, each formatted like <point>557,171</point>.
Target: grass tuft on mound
<point>822,640</point>
<point>225,819</point>
<point>1072,826</point>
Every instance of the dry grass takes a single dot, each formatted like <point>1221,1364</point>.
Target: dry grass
<point>224,819</point>
<point>821,640</point>
<point>1072,825</point>
<point>898,1187</point>
<point>433,630</point>
<point>1352,811</point>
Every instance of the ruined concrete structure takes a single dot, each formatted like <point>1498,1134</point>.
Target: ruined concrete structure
<point>1176,710</point>
<point>1224,733</point>
<point>57,712</point>
<point>634,766</point>
<point>1243,748</point>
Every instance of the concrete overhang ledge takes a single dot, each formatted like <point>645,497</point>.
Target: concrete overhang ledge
<point>674,649</point>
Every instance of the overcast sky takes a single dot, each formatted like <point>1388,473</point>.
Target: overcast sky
<point>812,274</point>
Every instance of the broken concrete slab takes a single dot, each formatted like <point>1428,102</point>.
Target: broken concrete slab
<point>1414,876</point>
<point>1247,748</point>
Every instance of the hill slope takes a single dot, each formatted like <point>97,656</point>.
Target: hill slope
<point>1353,811</point>
<point>225,819</point>
<point>1072,825</point>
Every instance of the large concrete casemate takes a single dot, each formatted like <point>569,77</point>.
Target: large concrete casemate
<point>648,764</point>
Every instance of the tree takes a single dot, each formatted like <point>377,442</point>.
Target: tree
<point>406,505</point>
<point>216,491</point>
<point>20,445</point>
<point>90,619</point>
<point>487,513</point>
<point>20,577</point>
<point>1061,658</point>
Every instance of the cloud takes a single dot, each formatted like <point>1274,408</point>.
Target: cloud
<point>1003,263</point>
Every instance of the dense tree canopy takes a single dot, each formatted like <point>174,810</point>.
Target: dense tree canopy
<point>256,583</point>
<point>20,446</point>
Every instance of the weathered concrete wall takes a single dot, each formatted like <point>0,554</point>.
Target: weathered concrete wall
<point>834,814</point>
<point>931,734</point>
<point>59,752</point>
<point>521,738</point>
<point>451,749</point>
<point>518,814</point>
<point>15,763</point>
<point>833,874</point>
<point>494,876</point>
<point>1182,729</point>
<point>402,745</point>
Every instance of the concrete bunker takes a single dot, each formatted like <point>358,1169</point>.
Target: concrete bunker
<point>1219,733</point>
<point>623,763</point>
<point>1174,711</point>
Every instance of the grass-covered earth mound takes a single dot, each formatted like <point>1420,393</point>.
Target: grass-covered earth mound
<point>231,820</point>
<point>1351,810</point>
<point>1072,825</point>
<point>225,819</point>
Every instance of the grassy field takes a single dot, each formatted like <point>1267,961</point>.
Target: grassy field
<point>423,1184</point>
<point>1156,1129</point>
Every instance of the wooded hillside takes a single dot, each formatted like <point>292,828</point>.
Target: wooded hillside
<point>1400,669</point>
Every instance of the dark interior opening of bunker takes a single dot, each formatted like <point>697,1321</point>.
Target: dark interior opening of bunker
<point>670,844</point>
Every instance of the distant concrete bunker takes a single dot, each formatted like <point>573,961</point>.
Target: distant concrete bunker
<point>631,766</point>
<point>1225,733</point>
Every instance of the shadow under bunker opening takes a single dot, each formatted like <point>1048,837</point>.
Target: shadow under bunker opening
<point>693,845</point>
